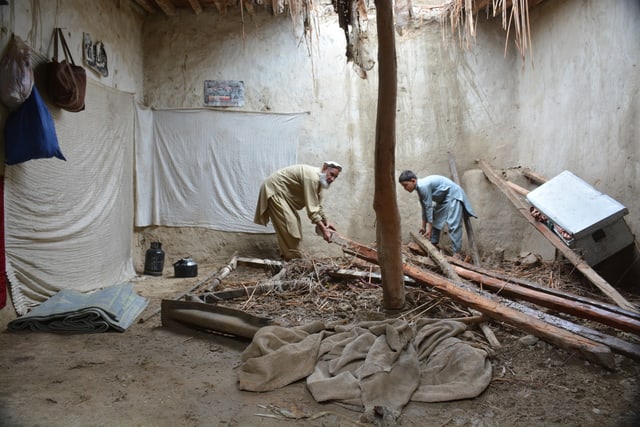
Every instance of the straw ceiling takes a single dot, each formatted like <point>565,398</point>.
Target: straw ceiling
<point>461,14</point>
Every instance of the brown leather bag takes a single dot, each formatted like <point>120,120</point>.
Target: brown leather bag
<point>67,81</point>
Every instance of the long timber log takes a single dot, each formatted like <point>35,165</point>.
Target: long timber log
<point>610,308</point>
<point>588,348</point>
<point>575,308</point>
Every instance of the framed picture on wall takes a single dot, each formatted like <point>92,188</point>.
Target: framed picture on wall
<point>224,93</point>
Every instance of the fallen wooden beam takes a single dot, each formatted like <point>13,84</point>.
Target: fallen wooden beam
<point>566,251</point>
<point>593,345</point>
<point>491,307</point>
<point>554,302</point>
<point>611,309</point>
<point>608,310</point>
<point>616,344</point>
<point>450,272</point>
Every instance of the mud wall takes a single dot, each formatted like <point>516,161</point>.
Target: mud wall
<point>568,105</point>
<point>571,104</point>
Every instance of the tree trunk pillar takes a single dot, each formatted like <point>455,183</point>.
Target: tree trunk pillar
<point>388,228</point>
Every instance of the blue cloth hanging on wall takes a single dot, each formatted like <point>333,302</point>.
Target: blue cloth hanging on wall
<point>30,132</point>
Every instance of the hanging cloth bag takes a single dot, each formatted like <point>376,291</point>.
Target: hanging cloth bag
<point>67,81</point>
<point>16,74</point>
<point>30,133</point>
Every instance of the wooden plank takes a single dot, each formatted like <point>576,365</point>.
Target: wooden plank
<point>566,251</point>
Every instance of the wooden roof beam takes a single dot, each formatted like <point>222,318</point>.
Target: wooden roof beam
<point>147,5</point>
<point>167,7</point>
<point>221,5</point>
<point>196,6</point>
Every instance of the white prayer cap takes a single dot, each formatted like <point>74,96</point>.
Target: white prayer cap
<point>332,164</point>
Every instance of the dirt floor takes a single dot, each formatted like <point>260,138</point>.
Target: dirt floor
<point>151,375</point>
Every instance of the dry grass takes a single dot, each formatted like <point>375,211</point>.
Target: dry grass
<point>462,17</point>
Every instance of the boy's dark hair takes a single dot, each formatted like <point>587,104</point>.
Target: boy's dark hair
<point>407,176</point>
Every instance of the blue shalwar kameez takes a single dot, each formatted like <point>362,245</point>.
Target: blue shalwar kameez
<point>444,202</point>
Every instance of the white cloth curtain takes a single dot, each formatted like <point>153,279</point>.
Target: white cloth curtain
<point>204,168</point>
<point>68,224</point>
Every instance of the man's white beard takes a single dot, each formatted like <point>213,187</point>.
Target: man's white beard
<point>323,180</point>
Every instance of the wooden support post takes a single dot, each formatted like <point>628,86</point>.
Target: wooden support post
<point>467,221</point>
<point>566,251</point>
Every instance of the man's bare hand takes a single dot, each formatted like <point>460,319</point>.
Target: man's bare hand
<point>426,232</point>
<point>326,230</point>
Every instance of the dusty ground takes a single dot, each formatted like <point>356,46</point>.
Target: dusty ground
<point>152,376</point>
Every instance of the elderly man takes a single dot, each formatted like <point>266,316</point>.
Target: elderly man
<point>287,191</point>
<point>443,202</point>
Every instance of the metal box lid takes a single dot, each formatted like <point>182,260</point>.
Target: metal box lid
<point>575,205</point>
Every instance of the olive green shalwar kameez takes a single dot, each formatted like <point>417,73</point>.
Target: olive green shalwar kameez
<point>282,195</point>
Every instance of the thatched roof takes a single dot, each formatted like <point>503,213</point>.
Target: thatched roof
<point>461,14</point>
<point>172,7</point>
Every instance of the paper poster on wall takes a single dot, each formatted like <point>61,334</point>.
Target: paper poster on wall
<point>94,55</point>
<point>224,93</point>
